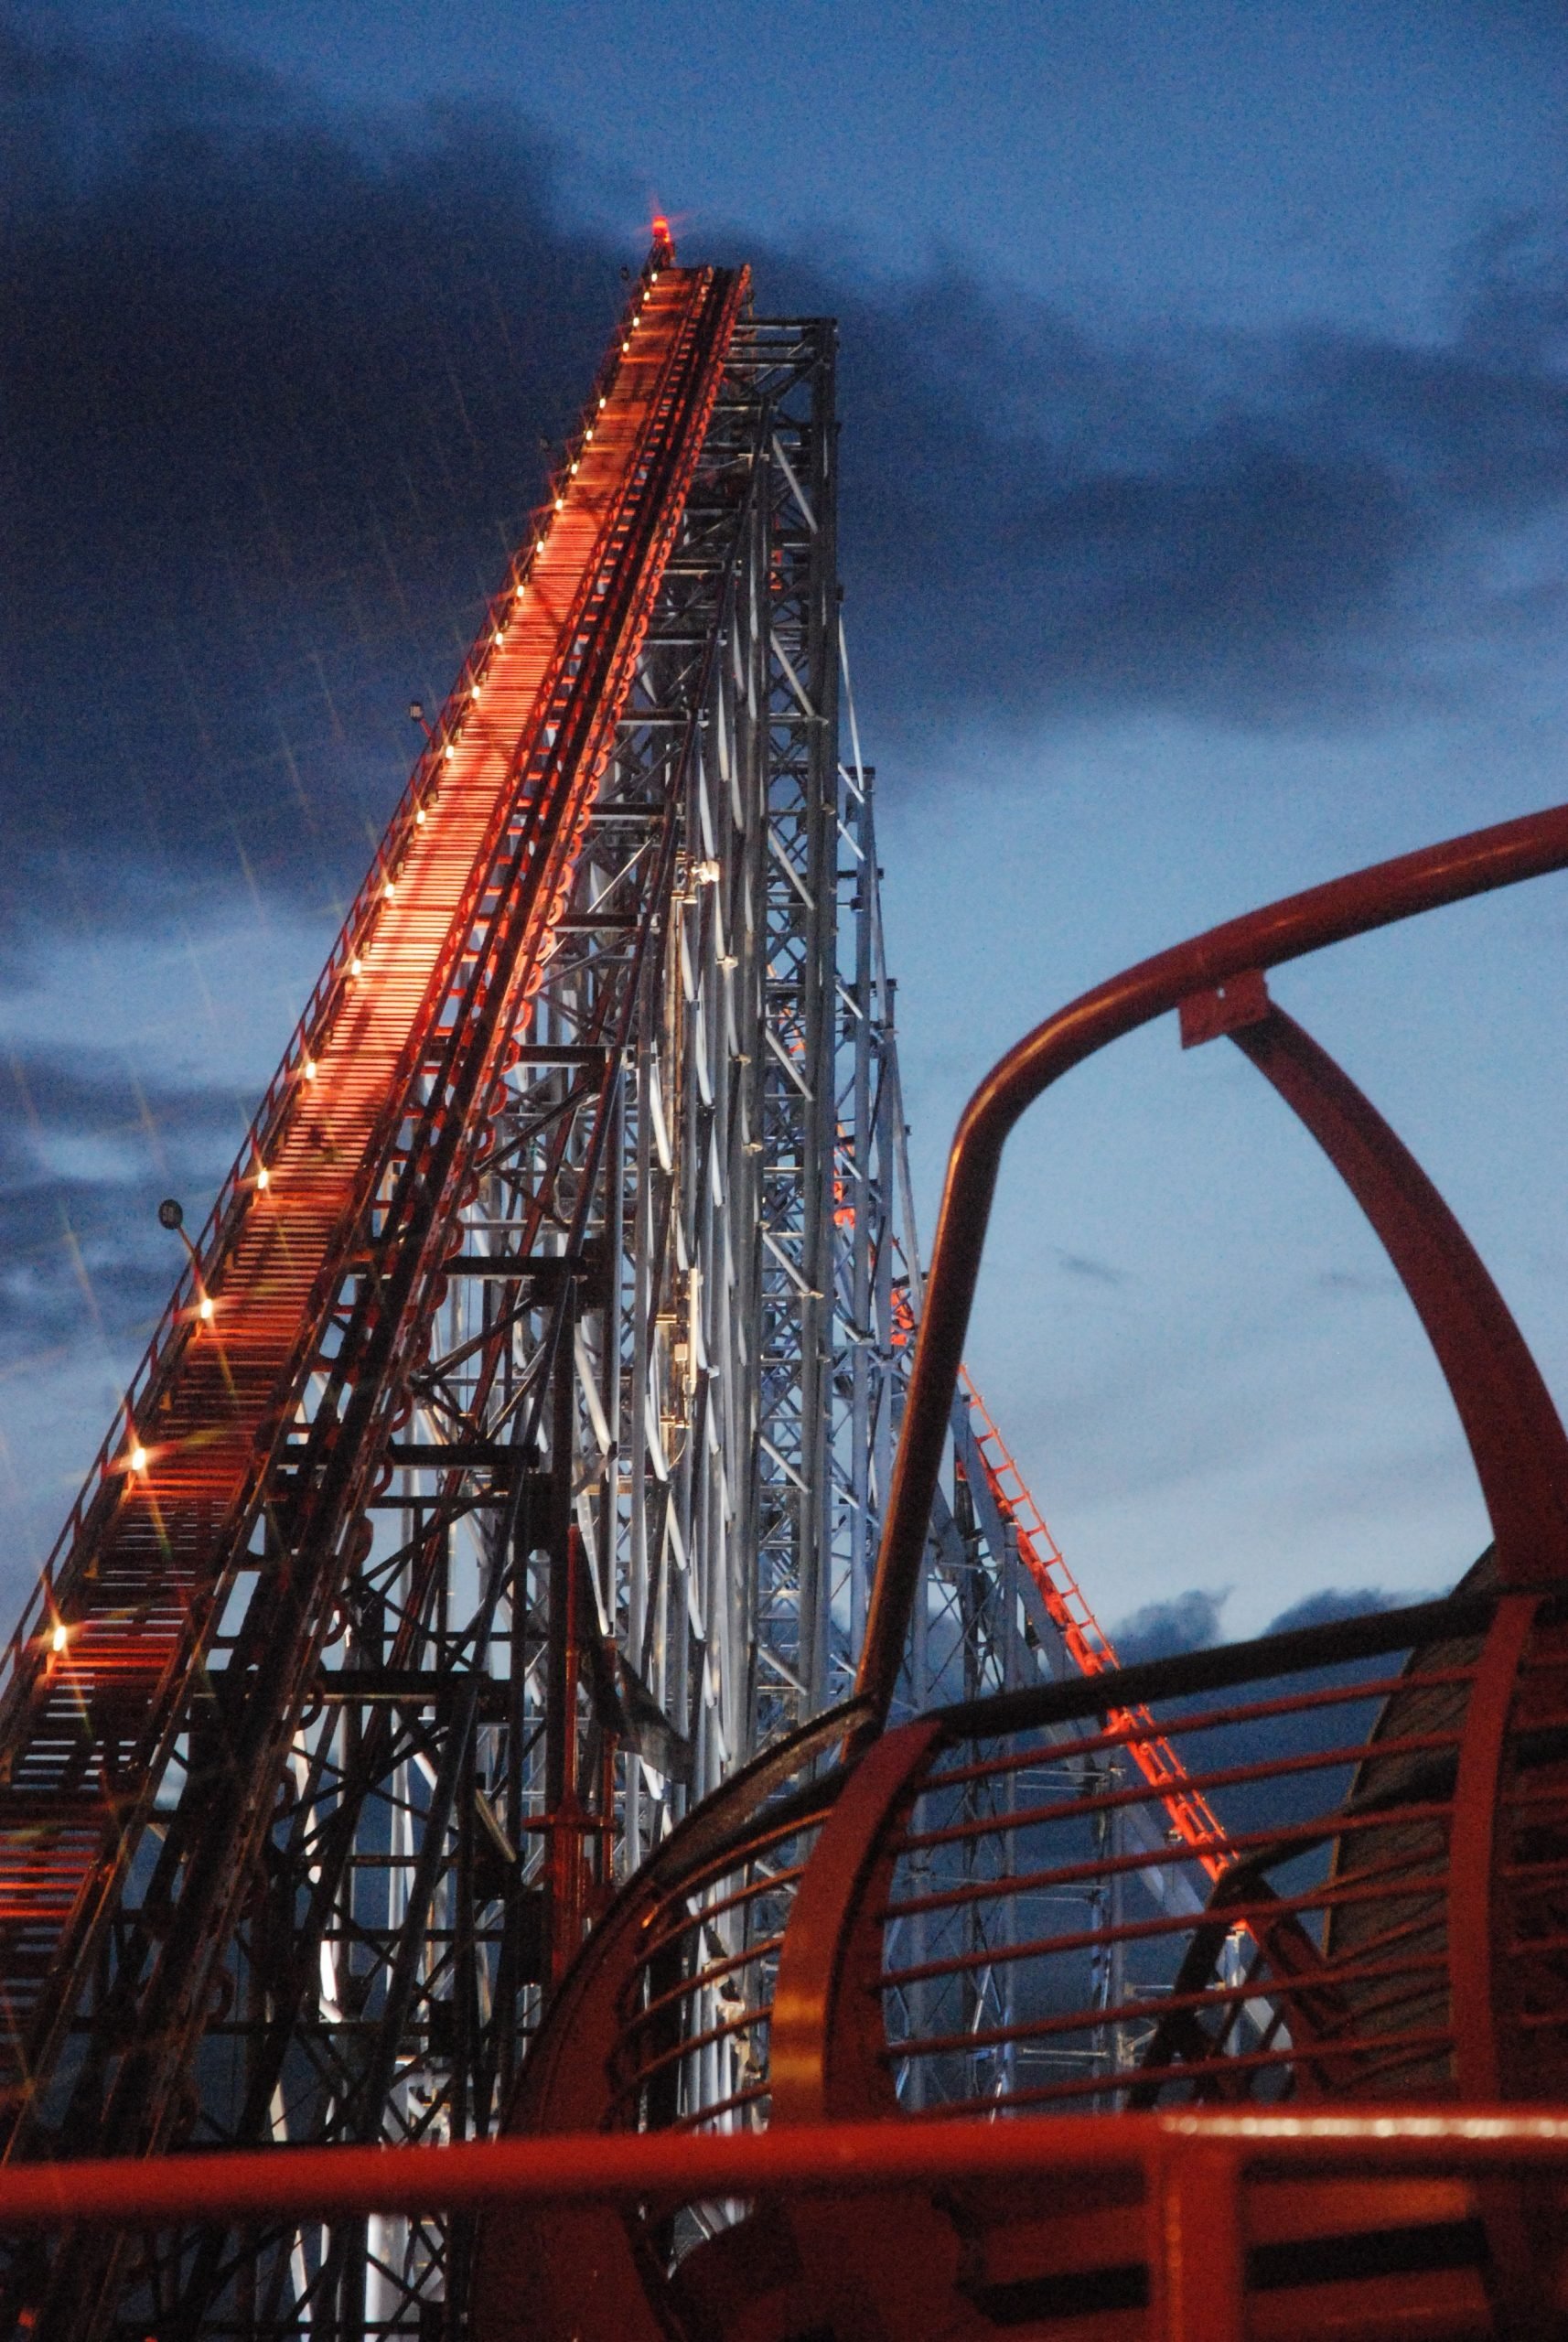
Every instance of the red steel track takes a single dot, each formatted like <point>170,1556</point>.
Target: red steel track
<point>1086,1644</point>
<point>101,1672</point>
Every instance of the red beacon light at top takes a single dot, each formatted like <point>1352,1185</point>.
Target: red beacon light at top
<point>663,243</point>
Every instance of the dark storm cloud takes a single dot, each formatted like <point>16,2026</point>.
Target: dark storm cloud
<point>278,379</point>
<point>1191,1621</point>
<point>276,390</point>
<point>1261,534</point>
<point>1334,1602</point>
<point>86,1152</point>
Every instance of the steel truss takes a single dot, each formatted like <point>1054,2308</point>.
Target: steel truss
<point>595,1562</point>
<point>549,1648</point>
<point>576,1501</point>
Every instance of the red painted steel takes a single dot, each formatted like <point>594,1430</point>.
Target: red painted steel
<point>601,2063</point>
<point>1194,2173</point>
<point>1085,1641</point>
<point>632,2039</point>
<point>1515,1433</point>
<point>1199,2256</point>
<point>1352,1945</point>
<point>1201,2184</point>
<point>827,2021</point>
<point>1487,2049</point>
<point>1190,2192</point>
<point>101,1673</point>
<point>1288,930</point>
<point>588,2167</point>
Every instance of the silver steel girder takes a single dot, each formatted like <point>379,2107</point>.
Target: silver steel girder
<point>599,1568</point>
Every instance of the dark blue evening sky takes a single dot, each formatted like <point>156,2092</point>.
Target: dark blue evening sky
<point>1205,392</point>
<point>1248,160</point>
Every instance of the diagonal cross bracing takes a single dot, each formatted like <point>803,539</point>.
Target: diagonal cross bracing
<point>252,1433</point>
<point>511,1465</point>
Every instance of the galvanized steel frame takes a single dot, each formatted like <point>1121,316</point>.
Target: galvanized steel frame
<point>545,1644</point>
<point>551,1639</point>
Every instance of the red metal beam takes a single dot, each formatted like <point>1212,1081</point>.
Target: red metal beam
<point>827,2032</point>
<point>1288,930</point>
<point>817,2159</point>
<point>1515,1436</point>
<point>1193,2168</point>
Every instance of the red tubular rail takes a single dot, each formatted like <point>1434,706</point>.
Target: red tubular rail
<point>1193,2167</point>
<point>1289,930</point>
<point>807,2159</point>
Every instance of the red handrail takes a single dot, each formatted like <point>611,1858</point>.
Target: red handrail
<point>1288,930</point>
<point>808,2159</point>
<point>1190,2229</point>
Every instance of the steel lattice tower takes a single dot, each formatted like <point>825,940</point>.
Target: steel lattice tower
<point>474,1508</point>
<point>509,1465</point>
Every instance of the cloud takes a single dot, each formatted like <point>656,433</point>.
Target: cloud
<point>1295,529</point>
<point>1092,1271</point>
<point>1191,1621</point>
<point>277,387</point>
<point>86,1150</point>
<point>277,378</point>
<point>1187,1621</point>
<point>1341,1282</point>
<point>1333,1603</point>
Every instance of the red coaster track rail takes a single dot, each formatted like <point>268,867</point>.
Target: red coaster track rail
<point>1085,1641</point>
